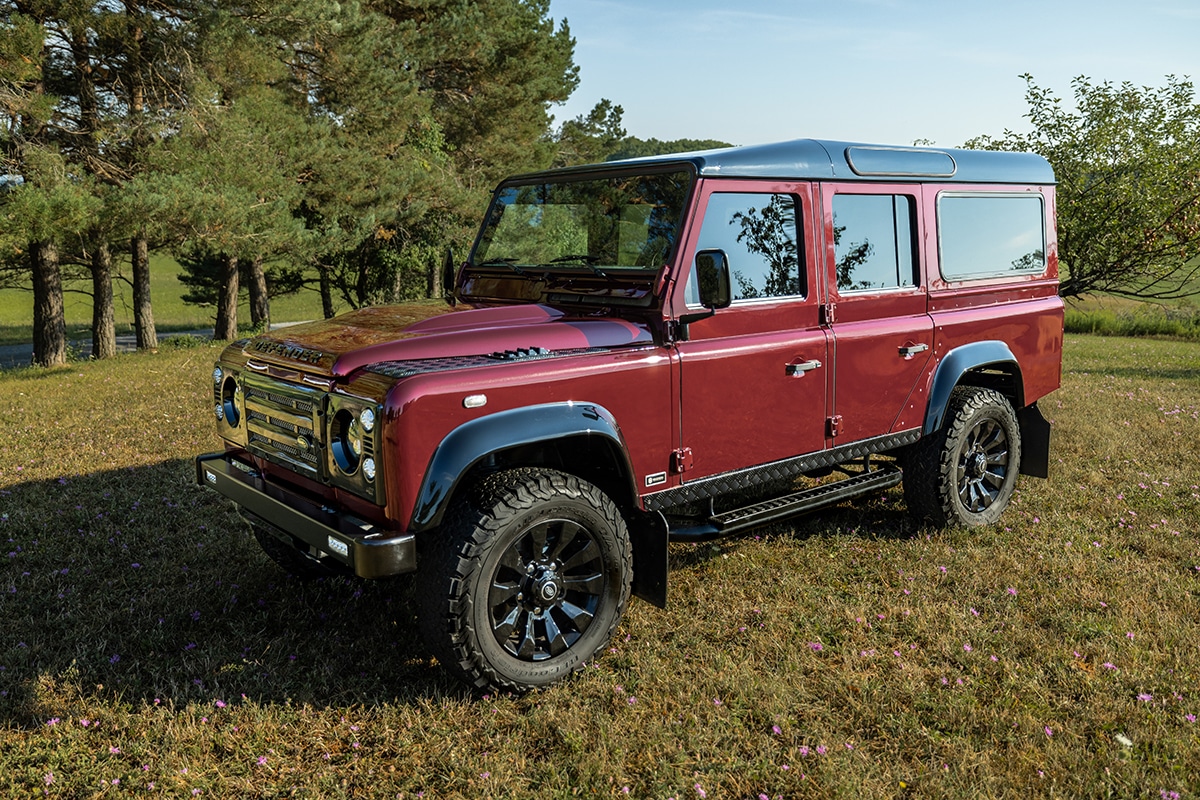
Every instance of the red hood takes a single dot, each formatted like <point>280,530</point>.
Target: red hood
<point>341,345</point>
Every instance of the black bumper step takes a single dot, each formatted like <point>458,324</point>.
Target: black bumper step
<point>789,505</point>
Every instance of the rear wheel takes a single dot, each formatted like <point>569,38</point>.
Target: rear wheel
<point>527,579</point>
<point>964,475</point>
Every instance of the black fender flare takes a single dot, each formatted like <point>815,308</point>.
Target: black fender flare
<point>957,363</point>
<point>468,444</point>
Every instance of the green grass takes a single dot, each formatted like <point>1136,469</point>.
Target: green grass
<point>149,648</point>
<point>171,314</point>
<point>1111,316</point>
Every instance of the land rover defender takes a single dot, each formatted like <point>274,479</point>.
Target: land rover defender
<point>672,348</point>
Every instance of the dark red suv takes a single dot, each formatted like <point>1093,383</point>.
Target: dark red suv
<point>664,349</point>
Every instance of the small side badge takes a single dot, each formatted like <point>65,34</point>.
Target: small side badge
<point>656,479</point>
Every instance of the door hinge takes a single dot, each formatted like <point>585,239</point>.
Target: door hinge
<point>834,425</point>
<point>828,313</point>
<point>681,460</point>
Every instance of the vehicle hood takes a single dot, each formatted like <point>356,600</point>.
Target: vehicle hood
<point>338,347</point>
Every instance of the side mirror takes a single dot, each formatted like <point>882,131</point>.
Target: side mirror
<point>712,279</point>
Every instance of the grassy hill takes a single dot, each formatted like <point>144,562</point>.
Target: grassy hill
<point>149,647</point>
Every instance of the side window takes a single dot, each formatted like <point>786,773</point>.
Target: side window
<point>873,241</point>
<point>981,235</point>
<point>760,235</point>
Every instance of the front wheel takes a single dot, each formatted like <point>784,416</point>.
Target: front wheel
<point>964,474</point>
<point>527,579</point>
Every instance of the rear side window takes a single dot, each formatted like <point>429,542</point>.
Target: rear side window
<point>873,241</point>
<point>990,235</point>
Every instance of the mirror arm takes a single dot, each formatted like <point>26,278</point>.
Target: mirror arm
<point>684,320</point>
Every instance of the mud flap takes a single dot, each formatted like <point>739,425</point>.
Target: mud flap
<point>1035,442</point>
<point>648,534</point>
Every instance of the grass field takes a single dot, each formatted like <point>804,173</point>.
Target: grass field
<point>170,312</point>
<point>148,648</point>
<point>1116,316</point>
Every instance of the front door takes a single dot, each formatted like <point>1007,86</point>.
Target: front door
<point>753,376</point>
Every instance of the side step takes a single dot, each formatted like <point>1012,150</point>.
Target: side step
<point>789,505</point>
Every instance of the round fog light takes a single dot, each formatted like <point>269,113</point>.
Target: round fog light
<point>367,418</point>
<point>217,375</point>
<point>368,468</point>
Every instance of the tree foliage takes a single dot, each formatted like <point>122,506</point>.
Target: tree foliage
<point>1127,160</point>
<point>600,135</point>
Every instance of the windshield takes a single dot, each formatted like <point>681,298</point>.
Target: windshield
<point>604,223</point>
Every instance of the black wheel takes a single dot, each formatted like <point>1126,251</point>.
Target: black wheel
<point>527,579</point>
<point>288,558</point>
<point>964,474</point>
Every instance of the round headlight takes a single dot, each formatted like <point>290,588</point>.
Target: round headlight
<point>229,402</point>
<point>345,440</point>
<point>369,469</point>
<point>217,375</point>
<point>367,418</point>
<point>220,412</point>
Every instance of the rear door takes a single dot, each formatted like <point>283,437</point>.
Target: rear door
<point>882,334</point>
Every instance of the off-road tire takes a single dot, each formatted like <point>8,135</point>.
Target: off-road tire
<point>519,541</point>
<point>964,474</point>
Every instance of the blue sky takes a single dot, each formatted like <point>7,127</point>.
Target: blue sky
<point>888,71</point>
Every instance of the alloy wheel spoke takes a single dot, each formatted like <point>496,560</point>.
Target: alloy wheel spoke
<point>568,533</point>
<point>528,645</point>
<point>513,561</point>
<point>581,618</point>
<point>503,593</point>
<point>555,640</point>
<point>585,555</point>
<point>591,584</point>
<point>505,627</point>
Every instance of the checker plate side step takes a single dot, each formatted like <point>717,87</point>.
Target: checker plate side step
<point>789,505</point>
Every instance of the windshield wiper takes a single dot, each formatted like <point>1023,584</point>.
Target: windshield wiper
<point>503,262</point>
<point>584,259</point>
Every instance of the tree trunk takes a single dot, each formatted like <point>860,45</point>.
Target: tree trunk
<point>326,292</point>
<point>49,320</point>
<point>227,300</point>
<point>260,301</point>
<point>104,331</point>
<point>143,313</point>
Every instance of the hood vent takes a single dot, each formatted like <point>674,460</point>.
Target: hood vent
<point>423,366</point>
<point>521,354</point>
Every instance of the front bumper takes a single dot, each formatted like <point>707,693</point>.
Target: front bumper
<point>360,546</point>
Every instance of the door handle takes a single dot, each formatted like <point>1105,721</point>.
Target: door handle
<point>798,369</point>
<point>910,350</point>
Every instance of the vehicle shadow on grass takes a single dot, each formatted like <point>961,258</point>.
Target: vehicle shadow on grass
<point>139,585</point>
<point>874,516</point>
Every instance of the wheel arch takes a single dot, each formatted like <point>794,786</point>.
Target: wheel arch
<point>581,438</point>
<point>990,364</point>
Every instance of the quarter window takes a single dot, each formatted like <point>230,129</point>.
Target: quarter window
<point>987,235</point>
<point>873,241</point>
